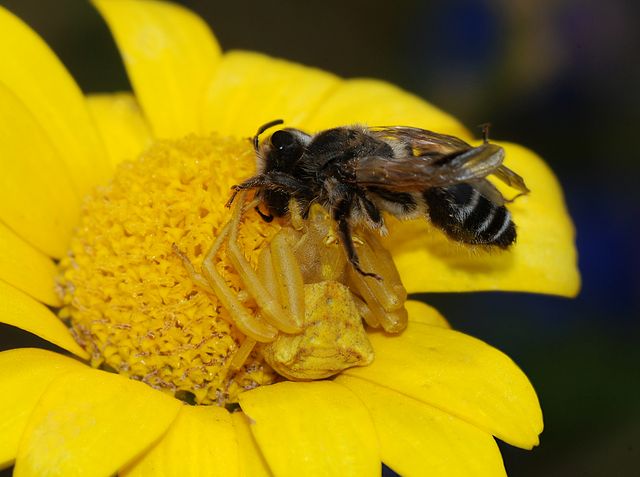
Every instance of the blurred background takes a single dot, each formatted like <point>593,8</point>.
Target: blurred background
<point>561,77</point>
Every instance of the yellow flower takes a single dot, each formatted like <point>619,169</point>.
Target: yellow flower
<point>430,402</point>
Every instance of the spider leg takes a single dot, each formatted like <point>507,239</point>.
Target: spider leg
<point>384,298</point>
<point>319,252</point>
<point>269,306</point>
<point>242,353</point>
<point>295,215</point>
<point>195,277</point>
<point>288,275</point>
<point>291,291</point>
<point>240,316</point>
<point>365,312</point>
<point>389,291</point>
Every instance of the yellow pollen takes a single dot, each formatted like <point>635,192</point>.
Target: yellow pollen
<point>127,296</point>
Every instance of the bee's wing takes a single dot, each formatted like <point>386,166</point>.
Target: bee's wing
<point>459,160</point>
<point>510,178</point>
<point>424,143</point>
<point>489,191</point>
<point>411,173</point>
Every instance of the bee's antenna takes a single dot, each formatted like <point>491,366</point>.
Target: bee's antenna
<point>262,129</point>
<point>485,131</point>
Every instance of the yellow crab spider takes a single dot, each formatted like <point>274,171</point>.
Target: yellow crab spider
<point>310,303</point>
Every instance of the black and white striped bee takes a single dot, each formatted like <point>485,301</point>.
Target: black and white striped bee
<point>358,172</point>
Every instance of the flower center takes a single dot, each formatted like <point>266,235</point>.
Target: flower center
<point>134,299</point>
<point>165,285</point>
<point>129,300</point>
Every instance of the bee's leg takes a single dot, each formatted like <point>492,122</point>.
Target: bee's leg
<point>269,306</point>
<point>513,199</point>
<point>272,180</point>
<point>341,216</point>
<point>237,188</point>
<point>373,213</point>
<point>251,183</point>
<point>268,218</point>
<point>234,193</point>
<point>213,282</point>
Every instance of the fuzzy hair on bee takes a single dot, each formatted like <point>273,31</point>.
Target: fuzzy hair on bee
<point>358,173</point>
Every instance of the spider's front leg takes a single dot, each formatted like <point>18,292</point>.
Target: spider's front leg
<point>279,270</point>
<point>383,299</point>
<point>271,319</point>
<point>268,304</point>
<point>211,281</point>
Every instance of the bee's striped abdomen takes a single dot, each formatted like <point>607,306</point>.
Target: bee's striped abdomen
<point>467,216</point>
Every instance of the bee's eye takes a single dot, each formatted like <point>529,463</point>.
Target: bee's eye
<point>282,139</point>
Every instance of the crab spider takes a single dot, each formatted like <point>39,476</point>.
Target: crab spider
<point>290,288</point>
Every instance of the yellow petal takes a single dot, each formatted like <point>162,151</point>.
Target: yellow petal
<point>123,128</point>
<point>422,313</point>
<point>250,89</point>
<point>459,375</point>
<point>201,441</point>
<point>376,103</point>
<point>26,268</point>
<point>36,196</point>
<point>35,75</point>
<point>170,55</point>
<point>543,260</point>
<point>252,463</point>
<point>20,310</point>
<point>91,422</point>
<point>418,439</point>
<point>24,375</point>
<point>313,429</point>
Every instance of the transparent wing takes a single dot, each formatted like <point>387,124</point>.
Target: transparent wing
<point>417,173</point>
<point>489,191</point>
<point>424,143</point>
<point>510,178</point>
<point>435,159</point>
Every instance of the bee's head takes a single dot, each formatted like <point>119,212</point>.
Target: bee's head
<point>282,150</point>
<point>279,152</point>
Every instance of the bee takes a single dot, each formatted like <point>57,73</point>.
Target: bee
<point>359,172</point>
